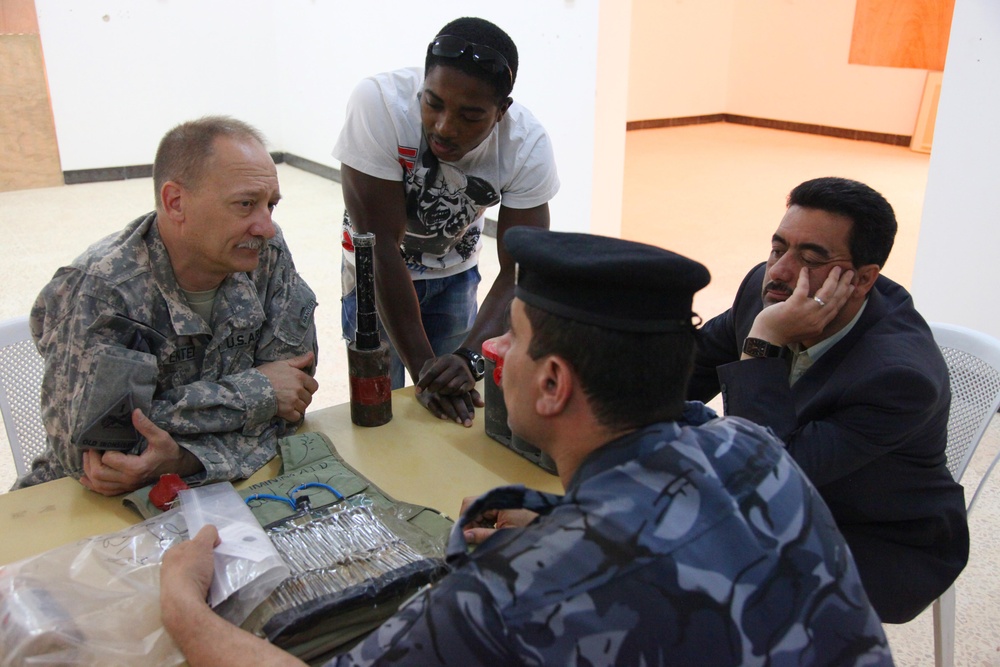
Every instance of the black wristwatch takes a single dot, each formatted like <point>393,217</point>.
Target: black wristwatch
<point>477,364</point>
<point>757,347</point>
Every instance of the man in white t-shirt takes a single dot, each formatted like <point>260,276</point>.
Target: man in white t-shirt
<point>457,143</point>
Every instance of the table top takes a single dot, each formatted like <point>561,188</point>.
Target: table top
<point>415,458</point>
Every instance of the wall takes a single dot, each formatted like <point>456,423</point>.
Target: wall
<point>121,73</point>
<point>789,62</point>
<point>956,272</point>
<point>29,156</point>
<point>680,55</point>
<point>777,59</point>
<point>610,106</point>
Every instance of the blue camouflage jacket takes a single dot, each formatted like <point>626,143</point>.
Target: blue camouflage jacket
<point>679,544</point>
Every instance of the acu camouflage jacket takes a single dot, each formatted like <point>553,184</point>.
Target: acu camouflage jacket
<point>115,330</point>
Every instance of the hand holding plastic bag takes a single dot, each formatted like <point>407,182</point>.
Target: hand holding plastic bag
<point>97,601</point>
<point>247,566</point>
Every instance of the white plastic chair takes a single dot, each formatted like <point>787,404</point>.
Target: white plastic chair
<point>973,360</point>
<point>20,390</point>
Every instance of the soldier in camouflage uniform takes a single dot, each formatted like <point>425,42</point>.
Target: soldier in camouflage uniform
<point>186,342</point>
<point>681,540</point>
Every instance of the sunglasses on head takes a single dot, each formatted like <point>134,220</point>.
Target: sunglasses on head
<point>488,58</point>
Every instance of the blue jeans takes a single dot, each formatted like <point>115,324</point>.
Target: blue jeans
<point>448,309</point>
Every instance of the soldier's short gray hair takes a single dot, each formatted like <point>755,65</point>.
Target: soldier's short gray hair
<point>184,150</point>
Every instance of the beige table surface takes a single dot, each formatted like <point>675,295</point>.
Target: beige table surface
<point>414,458</point>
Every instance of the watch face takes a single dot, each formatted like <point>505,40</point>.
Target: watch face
<point>477,363</point>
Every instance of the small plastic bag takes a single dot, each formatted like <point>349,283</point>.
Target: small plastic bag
<point>247,566</point>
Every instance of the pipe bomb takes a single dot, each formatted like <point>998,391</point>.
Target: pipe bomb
<point>368,355</point>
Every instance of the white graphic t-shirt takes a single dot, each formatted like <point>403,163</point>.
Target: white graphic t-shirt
<point>445,201</point>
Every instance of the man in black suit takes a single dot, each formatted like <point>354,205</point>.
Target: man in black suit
<point>833,357</point>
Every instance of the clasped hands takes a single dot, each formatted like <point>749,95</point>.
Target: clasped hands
<point>447,389</point>
<point>293,386</point>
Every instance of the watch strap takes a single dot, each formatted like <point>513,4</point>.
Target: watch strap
<point>476,362</point>
<point>757,347</point>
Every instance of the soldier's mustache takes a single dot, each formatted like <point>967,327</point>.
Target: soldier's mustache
<point>255,243</point>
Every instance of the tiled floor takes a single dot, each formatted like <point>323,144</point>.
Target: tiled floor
<point>714,192</point>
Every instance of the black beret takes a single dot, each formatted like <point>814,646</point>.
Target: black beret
<point>604,281</point>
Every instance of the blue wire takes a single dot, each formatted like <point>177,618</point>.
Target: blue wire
<point>269,496</point>
<point>307,485</point>
<point>291,503</point>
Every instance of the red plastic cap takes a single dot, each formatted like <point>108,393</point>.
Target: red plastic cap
<point>164,492</point>
<point>490,350</point>
<point>491,353</point>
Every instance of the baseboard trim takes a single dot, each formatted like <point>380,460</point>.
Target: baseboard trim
<point>316,168</point>
<point>789,126</point>
<point>77,176</point>
<point>100,174</point>
<point>657,123</point>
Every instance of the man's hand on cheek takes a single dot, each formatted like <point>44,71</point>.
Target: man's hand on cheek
<point>803,317</point>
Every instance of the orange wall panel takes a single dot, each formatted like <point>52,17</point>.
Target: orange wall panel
<point>18,17</point>
<point>901,33</point>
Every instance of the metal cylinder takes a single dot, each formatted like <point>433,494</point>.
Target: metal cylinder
<point>368,356</point>
<point>367,337</point>
<point>371,389</point>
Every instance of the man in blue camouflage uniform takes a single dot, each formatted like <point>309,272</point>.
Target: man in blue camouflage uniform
<point>184,343</point>
<point>682,539</point>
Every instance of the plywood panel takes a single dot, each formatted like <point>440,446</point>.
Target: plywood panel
<point>29,156</point>
<point>923,133</point>
<point>901,33</point>
<point>18,17</point>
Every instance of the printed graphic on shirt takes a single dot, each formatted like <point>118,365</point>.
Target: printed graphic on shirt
<point>407,155</point>
<point>442,202</point>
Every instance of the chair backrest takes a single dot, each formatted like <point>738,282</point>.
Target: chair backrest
<point>20,392</point>
<point>973,360</point>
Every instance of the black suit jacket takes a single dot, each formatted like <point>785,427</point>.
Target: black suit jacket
<point>867,423</point>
